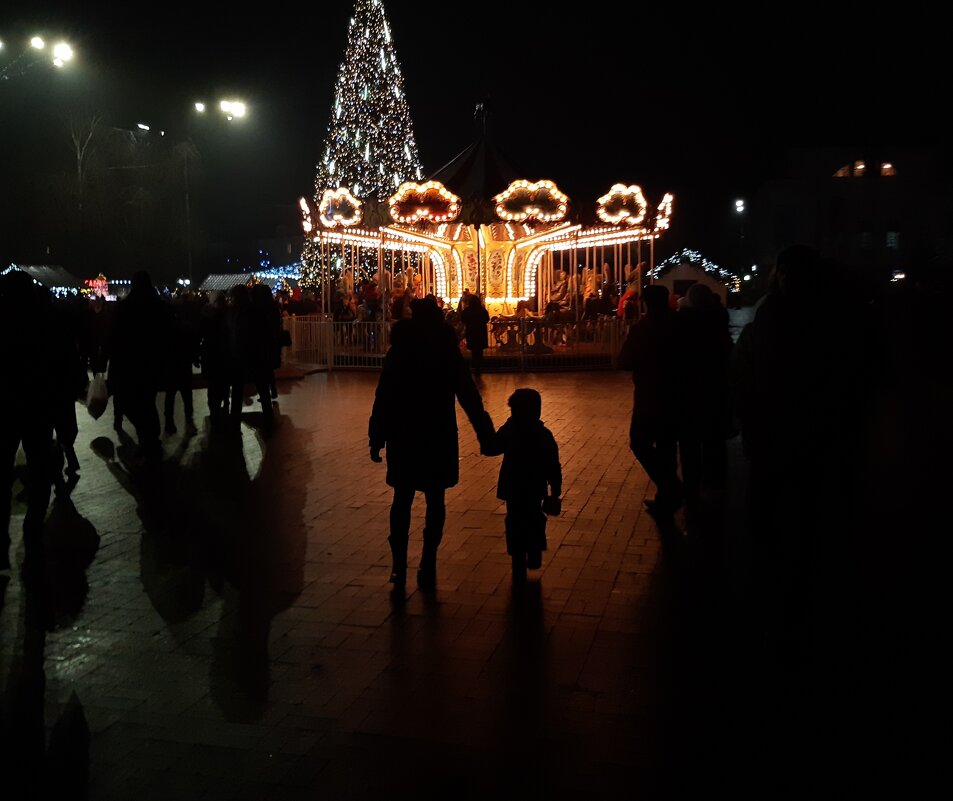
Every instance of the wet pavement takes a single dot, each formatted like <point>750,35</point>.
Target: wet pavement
<point>223,627</point>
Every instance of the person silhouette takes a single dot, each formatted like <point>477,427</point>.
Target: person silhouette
<point>794,388</point>
<point>423,373</point>
<point>530,479</point>
<point>183,351</point>
<point>648,351</point>
<point>37,355</point>
<point>142,335</point>
<point>475,317</point>
<point>214,356</point>
<point>703,352</point>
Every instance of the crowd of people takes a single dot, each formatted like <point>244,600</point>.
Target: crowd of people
<point>143,345</point>
<point>679,363</point>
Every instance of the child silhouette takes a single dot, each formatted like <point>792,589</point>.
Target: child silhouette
<point>530,479</point>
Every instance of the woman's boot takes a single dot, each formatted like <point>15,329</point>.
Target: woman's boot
<point>427,573</point>
<point>398,553</point>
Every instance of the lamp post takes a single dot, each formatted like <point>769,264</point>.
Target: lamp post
<point>231,109</point>
<point>740,212</point>
<point>188,210</point>
<point>59,55</point>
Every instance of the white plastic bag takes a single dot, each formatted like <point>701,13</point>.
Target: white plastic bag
<point>97,396</point>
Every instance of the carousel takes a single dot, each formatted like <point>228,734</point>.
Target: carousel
<point>475,227</point>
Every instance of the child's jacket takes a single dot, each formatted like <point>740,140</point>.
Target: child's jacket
<point>530,460</point>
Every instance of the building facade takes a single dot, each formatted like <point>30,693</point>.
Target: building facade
<point>874,209</point>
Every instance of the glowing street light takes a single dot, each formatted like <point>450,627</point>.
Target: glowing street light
<point>740,206</point>
<point>62,53</point>
<point>232,108</point>
<point>31,56</point>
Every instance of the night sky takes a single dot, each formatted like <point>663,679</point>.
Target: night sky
<point>703,106</point>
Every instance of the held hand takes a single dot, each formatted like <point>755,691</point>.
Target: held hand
<point>376,455</point>
<point>486,443</point>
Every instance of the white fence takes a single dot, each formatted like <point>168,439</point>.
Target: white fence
<point>517,345</point>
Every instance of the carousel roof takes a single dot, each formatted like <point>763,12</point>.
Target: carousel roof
<point>476,174</point>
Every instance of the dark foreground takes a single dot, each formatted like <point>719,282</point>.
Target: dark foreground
<point>222,627</point>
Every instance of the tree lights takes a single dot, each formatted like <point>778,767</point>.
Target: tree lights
<point>370,147</point>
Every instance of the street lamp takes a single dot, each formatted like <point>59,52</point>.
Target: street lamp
<point>61,54</point>
<point>740,211</point>
<point>231,109</point>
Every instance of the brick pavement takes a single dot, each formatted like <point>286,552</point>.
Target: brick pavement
<point>234,635</point>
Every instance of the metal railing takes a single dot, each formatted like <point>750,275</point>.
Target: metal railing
<point>515,345</point>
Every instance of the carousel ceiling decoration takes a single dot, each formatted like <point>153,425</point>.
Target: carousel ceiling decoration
<point>339,207</point>
<point>623,205</point>
<point>306,223</point>
<point>664,215</point>
<point>428,202</point>
<point>523,200</point>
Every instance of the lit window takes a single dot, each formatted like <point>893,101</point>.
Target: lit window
<point>887,169</point>
<point>843,172</point>
<point>893,240</point>
<point>859,168</point>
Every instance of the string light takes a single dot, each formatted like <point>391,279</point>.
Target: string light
<point>664,216</point>
<point>698,260</point>
<point>622,204</point>
<point>339,207</point>
<point>523,200</point>
<point>430,202</point>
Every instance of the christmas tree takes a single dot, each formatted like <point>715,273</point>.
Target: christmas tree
<point>370,147</point>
